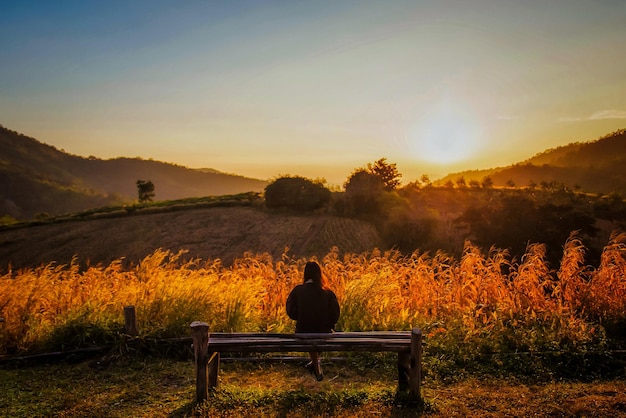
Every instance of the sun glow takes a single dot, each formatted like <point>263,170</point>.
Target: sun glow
<point>445,135</point>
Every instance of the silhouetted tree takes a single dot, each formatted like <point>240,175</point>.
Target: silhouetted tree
<point>610,207</point>
<point>363,192</point>
<point>145,191</point>
<point>388,173</point>
<point>296,193</point>
<point>412,187</point>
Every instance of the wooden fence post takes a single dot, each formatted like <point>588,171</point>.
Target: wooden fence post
<point>415,372</point>
<point>200,336</point>
<point>130,321</point>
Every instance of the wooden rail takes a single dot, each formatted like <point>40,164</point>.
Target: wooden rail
<point>209,346</point>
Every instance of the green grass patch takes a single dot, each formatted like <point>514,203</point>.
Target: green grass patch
<point>163,387</point>
<point>157,387</point>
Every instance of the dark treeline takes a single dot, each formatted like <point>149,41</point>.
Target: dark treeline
<point>421,216</point>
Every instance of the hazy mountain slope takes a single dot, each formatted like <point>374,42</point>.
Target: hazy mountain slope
<point>207,233</point>
<point>39,178</point>
<point>23,197</point>
<point>596,167</point>
<point>604,151</point>
<point>171,181</point>
<point>34,179</point>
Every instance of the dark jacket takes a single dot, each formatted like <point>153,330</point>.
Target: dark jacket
<point>314,309</point>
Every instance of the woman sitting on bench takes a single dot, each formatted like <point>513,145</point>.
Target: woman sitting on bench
<point>314,307</point>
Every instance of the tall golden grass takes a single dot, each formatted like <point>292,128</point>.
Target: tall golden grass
<point>481,297</point>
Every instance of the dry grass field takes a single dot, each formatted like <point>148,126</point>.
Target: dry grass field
<point>208,233</point>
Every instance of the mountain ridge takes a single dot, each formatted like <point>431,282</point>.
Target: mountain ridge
<point>38,178</point>
<point>596,167</point>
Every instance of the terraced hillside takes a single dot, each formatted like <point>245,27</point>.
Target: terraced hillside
<point>207,233</point>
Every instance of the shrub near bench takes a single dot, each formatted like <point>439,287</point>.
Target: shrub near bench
<point>209,346</point>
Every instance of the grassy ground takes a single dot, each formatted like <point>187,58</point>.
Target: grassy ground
<point>165,388</point>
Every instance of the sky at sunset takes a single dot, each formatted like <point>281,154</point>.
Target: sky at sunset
<point>314,88</point>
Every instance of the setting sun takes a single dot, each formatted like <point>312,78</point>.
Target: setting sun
<point>445,135</point>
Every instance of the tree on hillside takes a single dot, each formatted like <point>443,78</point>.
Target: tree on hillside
<point>296,193</point>
<point>145,191</point>
<point>487,182</point>
<point>388,173</point>
<point>363,192</point>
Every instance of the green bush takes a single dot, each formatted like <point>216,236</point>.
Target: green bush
<point>296,193</point>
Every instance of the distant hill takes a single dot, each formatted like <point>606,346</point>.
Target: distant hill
<point>37,178</point>
<point>595,167</point>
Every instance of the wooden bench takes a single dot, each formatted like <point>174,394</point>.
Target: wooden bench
<point>209,346</point>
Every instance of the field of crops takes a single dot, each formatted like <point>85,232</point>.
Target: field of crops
<point>204,232</point>
<point>483,304</point>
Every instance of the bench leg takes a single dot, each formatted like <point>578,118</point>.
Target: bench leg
<point>404,371</point>
<point>410,367</point>
<point>214,369</point>
<point>415,371</point>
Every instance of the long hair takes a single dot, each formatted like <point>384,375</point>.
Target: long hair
<point>313,271</point>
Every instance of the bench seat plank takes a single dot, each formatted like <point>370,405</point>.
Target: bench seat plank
<point>331,335</point>
<point>264,345</point>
